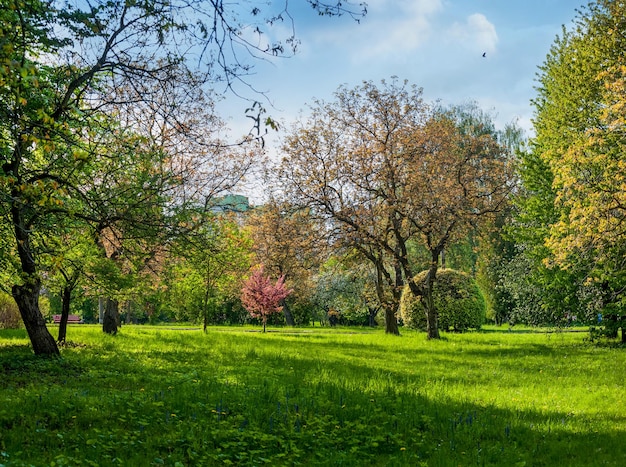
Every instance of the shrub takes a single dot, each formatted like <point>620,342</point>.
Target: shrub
<point>9,313</point>
<point>458,300</point>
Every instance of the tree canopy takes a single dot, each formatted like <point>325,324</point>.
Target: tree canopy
<point>87,87</point>
<point>383,168</point>
<point>572,208</point>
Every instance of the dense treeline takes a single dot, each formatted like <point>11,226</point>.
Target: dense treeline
<point>115,166</point>
<point>569,231</point>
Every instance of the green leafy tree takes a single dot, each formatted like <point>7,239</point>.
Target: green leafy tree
<point>572,208</point>
<point>9,313</point>
<point>70,257</point>
<point>459,301</point>
<point>66,68</point>
<point>219,255</point>
<point>343,285</point>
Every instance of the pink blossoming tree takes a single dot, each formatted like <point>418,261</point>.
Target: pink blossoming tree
<point>262,298</point>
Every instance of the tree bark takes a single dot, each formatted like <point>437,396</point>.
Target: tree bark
<point>27,298</point>
<point>66,297</point>
<point>389,305</point>
<point>129,312</point>
<point>425,292</point>
<point>205,311</point>
<point>111,320</point>
<point>372,312</point>
<point>432,317</point>
<point>611,329</point>
<point>391,322</point>
<point>101,303</point>
<point>288,316</point>
<point>27,295</point>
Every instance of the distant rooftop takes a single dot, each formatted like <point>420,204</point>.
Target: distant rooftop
<point>230,203</point>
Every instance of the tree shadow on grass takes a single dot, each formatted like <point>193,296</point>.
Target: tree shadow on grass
<point>302,408</point>
<point>454,432</point>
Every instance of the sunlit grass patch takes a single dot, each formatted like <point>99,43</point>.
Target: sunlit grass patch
<point>317,396</point>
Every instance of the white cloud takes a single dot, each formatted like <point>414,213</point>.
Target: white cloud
<point>391,29</point>
<point>477,33</point>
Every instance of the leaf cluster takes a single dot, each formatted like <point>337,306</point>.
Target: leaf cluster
<point>458,300</point>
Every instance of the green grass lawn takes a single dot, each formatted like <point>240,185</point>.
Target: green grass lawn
<point>312,396</point>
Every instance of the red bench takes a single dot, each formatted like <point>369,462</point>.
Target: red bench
<point>71,319</point>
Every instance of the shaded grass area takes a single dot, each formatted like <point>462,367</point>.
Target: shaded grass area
<point>155,396</point>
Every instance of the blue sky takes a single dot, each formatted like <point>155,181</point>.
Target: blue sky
<point>435,44</point>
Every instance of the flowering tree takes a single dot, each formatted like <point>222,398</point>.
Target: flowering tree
<point>262,298</point>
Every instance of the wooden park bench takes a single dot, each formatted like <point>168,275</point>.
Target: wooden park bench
<point>71,319</point>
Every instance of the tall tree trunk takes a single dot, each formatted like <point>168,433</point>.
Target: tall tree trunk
<point>208,292</point>
<point>288,315</point>
<point>101,303</point>
<point>424,290</point>
<point>391,310</point>
<point>389,305</point>
<point>391,321</point>
<point>27,298</point>
<point>432,317</point>
<point>372,312</point>
<point>612,328</point>
<point>205,312</point>
<point>27,295</point>
<point>111,320</point>
<point>66,297</point>
<point>129,312</point>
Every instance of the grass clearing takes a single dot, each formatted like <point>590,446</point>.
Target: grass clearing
<point>314,396</point>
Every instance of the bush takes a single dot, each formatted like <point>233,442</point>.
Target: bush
<point>9,313</point>
<point>458,300</point>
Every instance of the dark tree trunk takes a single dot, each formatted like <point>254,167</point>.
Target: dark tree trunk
<point>391,311</point>
<point>288,316</point>
<point>391,322</point>
<point>424,290</point>
<point>27,295</point>
<point>432,317</point>
<point>66,297</point>
<point>372,316</point>
<point>205,309</point>
<point>129,312</point>
<point>111,321</point>
<point>27,298</point>
<point>389,305</point>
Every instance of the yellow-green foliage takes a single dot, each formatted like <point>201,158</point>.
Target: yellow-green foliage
<point>458,300</point>
<point>9,313</point>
